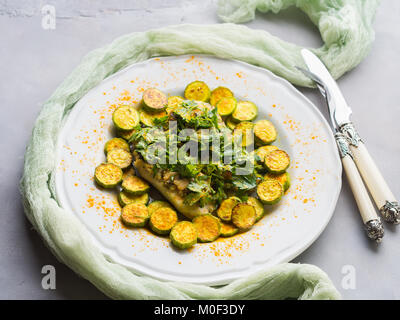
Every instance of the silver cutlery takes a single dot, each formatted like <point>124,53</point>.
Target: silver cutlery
<point>355,156</point>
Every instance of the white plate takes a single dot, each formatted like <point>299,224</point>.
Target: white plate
<point>284,233</point>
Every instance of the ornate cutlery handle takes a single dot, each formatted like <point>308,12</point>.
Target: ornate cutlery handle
<point>377,186</point>
<point>371,220</point>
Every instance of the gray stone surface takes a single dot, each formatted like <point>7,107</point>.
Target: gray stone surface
<point>34,62</point>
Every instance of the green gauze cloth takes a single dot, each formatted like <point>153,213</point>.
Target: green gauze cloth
<point>346,29</point>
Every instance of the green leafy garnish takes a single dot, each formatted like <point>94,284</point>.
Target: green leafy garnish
<point>227,172</point>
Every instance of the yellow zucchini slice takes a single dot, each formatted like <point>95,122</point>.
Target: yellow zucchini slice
<point>126,134</point>
<point>258,206</point>
<point>230,123</point>
<point>264,150</point>
<point>163,220</point>
<point>244,216</point>
<point>154,100</point>
<point>197,90</point>
<point>135,185</point>
<point>219,93</point>
<point>226,106</point>
<point>107,175</point>
<point>265,132</point>
<point>135,215</point>
<point>245,130</point>
<point>228,230</point>
<point>116,143</point>
<point>245,111</point>
<point>125,118</point>
<point>208,228</point>
<point>283,178</point>
<point>125,198</point>
<point>147,118</point>
<point>183,235</point>
<point>224,211</point>
<point>277,161</point>
<point>173,103</point>
<point>270,191</point>
<point>155,205</point>
<point>119,157</point>
<point>128,172</point>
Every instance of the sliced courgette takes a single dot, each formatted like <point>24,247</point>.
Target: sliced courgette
<point>245,111</point>
<point>125,118</point>
<point>154,100</point>
<point>258,206</point>
<point>219,93</point>
<point>265,132</point>
<point>244,216</point>
<point>208,228</point>
<point>119,157</point>
<point>230,123</point>
<point>224,211</point>
<point>173,103</point>
<point>228,230</point>
<point>147,118</point>
<point>135,185</point>
<point>277,161</point>
<point>155,205</point>
<point>108,175</point>
<point>283,178</point>
<point>125,198</point>
<point>270,191</point>
<point>163,220</point>
<point>183,235</point>
<point>126,134</point>
<point>128,172</point>
<point>116,143</point>
<point>226,106</point>
<point>264,150</point>
<point>244,131</point>
<point>135,215</point>
<point>198,91</point>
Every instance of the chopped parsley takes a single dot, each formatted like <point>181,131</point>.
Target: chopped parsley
<point>227,168</point>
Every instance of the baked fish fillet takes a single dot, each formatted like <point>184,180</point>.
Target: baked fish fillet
<point>146,172</point>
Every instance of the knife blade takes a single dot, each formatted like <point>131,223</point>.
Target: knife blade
<point>340,114</point>
<point>339,110</point>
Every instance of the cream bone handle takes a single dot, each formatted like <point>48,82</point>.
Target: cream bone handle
<point>372,222</point>
<point>376,184</point>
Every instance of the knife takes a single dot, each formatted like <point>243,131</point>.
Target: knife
<point>349,145</point>
<point>341,113</point>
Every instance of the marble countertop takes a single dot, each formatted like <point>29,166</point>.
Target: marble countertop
<point>36,60</point>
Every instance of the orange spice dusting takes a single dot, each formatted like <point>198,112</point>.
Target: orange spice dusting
<point>90,201</point>
<point>190,59</point>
